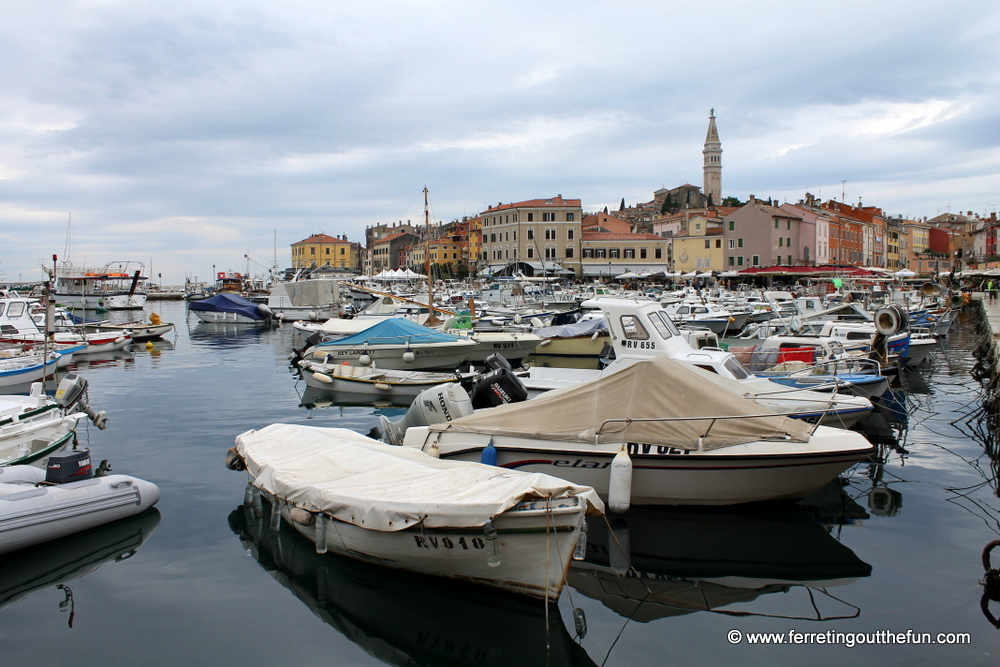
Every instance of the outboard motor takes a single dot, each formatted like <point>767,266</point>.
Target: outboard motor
<point>442,403</point>
<point>312,340</point>
<point>497,387</point>
<point>70,466</point>
<point>72,395</point>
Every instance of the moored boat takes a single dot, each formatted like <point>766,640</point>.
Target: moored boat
<point>229,307</point>
<point>400,508</point>
<point>395,343</point>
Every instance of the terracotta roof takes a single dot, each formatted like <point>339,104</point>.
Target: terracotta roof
<point>551,201</point>
<point>321,238</point>
<point>391,237</point>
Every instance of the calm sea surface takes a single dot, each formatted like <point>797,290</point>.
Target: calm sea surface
<point>894,547</point>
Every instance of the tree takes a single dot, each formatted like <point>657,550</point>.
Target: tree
<point>622,207</point>
<point>732,201</point>
<point>605,210</point>
<point>668,205</point>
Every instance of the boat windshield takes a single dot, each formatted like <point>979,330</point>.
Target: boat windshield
<point>734,366</point>
<point>661,322</point>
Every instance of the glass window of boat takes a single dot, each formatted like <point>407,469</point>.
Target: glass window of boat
<point>663,325</point>
<point>16,309</point>
<point>2,305</point>
<point>733,365</point>
<point>632,328</point>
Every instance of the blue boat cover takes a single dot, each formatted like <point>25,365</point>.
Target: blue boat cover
<point>393,331</point>
<point>228,303</point>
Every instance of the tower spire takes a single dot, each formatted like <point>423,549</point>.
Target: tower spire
<point>713,162</point>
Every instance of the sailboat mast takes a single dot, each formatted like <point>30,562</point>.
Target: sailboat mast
<point>432,320</point>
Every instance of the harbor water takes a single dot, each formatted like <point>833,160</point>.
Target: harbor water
<point>883,566</point>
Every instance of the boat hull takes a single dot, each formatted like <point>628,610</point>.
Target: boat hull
<point>425,355</point>
<point>667,476</point>
<point>536,542</point>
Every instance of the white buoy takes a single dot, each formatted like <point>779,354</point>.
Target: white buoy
<point>620,485</point>
<point>365,359</point>
<point>408,356</point>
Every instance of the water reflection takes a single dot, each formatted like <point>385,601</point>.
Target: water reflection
<point>110,359</point>
<point>654,563</point>
<point>407,619</point>
<point>226,334</point>
<point>59,562</point>
<point>311,398</point>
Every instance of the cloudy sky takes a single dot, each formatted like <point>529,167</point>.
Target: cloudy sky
<point>187,135</point>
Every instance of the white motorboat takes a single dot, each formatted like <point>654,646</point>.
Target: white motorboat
<point>689,441</point>
<point>378,383</point>
<point>33,427</point>
<point>39,506</point>
<point>18,327</point>
<point>395,343</point>
<point>641,329</point>
<point>707,315</point>
<point>20,369</point>
<point>400,508</point>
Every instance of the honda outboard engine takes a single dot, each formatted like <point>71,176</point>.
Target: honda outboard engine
<point>72,395</point>
<point>442,403</point>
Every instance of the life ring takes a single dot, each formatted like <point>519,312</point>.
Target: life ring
<point>887,321</point>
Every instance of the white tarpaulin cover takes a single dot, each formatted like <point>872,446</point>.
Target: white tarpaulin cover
<point>653,389</point>
<point>381,487</point>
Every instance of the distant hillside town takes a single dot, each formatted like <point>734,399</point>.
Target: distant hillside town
<point>685,228</point>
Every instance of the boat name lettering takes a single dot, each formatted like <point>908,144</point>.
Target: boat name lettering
<point>580,464</point>
<point>635,448</point>
<point>428,541</point>
<point>504,346</point>
<point>640,344</point>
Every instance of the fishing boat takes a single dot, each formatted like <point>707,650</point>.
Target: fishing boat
<point>118,285</point>
<point>400,508</point>
<point>20,369</point>
<point>403,618</point>
<point>228,307</point>
<point>34,426</point>
<point>66,498</point>
<point>685,440</point>
<point>395,343</point>
<point>139,330</point>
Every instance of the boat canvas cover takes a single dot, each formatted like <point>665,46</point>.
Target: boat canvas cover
<point>383,487</point>
<point>306,293</point>
<point>654,388</point>
<point>572,330</point>
<point>228,303</point>
<point>393,331</point>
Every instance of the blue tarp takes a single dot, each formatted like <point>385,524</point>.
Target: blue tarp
<point>393,331</point>
<point>228,303</point>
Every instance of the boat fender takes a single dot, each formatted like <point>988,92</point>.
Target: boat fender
<point>620,484</point>
<point>489,454</point>
<point>322,377</point>
<point>435,450</point>
<point>580,551</point>
<point>620,553</point>
<point>320,534</point>
<point>408,356</point>
<point>313,316</point>
<point>545,342</point>
<point>275,523</point>
<point>233,459</point>
<point>365,359</point>
<point>301,516</point>
<point>887,321</point>
<point>382,386</point>
<point>119,339</point>
<point>492,544</point>
<point>594,337</point>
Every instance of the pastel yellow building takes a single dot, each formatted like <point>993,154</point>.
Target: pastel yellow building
<point>325,250</point>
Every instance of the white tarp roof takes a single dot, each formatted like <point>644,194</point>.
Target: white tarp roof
<point>652,389</point>
<point>381,487</point>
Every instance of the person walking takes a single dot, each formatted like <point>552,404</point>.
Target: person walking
<point>991,290</point>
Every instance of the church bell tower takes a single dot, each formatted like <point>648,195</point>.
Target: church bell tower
<point>713,163</point>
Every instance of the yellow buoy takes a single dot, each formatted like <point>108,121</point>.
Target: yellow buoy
<point>149,345</point>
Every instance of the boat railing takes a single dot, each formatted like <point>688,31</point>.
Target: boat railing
<point>712,419</point>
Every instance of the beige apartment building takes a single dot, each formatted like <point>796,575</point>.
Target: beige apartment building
<point>533,233</point>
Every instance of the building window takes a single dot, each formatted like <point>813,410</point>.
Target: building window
<point>732,225</point>
<point>588,253</point>
<point>342,251</point>
<point>708,244</point>
<point>531,217</point>
<point>614,253</point>
<point>732,260</point>
<point>569,234</point>
<point>718,243</point>
<point>531,233</point>
<point>327,251</point>
<point>629,253</point>
<point>781,241</point>
<point>550,252</point>
<point>739,243</point>
<point>775,223</point>
<point>756,260</point>
<point>569,252</point>
<point>600,253</point>
<point>531,252</point>
<point>659,253</point>
<point>569,217</point>
<point>732,243</point>
<point>642,253</point>
<point>739,261</point>
<point>789,224</point>
<point>549,216</point>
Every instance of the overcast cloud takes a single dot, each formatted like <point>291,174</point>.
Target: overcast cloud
<point>189,134</point>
